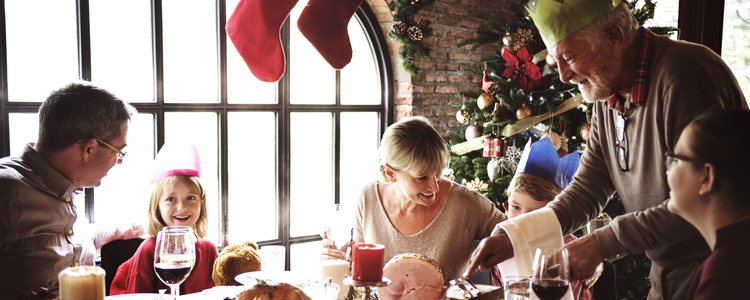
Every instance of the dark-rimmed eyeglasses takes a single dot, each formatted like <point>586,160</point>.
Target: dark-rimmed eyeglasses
<point>120,152</point>
<point>621,143</point>
<point>671,159</point>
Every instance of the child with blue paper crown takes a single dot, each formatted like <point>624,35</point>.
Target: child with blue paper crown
<point>540,176</point>
<point>177,199</point>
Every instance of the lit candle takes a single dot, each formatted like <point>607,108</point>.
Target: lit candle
<point>335,269</point>
<point>367,262</point>
<point>81,283</point>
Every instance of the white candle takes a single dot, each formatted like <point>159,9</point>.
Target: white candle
<point>81,283</point>
<point>336,269</point>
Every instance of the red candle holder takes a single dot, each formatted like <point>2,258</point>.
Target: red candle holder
<point>367,262</point>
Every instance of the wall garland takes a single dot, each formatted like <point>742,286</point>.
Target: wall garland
<point>410,32</point>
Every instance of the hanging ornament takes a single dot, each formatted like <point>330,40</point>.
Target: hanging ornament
<point>473,131</point>
<point>521,38</point>
<point>524,112</point>
<point>507,40</point>
<point>485,100</point>
<point>462,115</point>
<point>486,84</point>
<point>497,112</point>
<point>488,146</point>
<point>584,131</point>
<point>493,169</point>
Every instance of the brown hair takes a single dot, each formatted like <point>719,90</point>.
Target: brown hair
<point>155,221</point>
<point>535,186</point>
<point>414,146</point>
<point>718,140</point>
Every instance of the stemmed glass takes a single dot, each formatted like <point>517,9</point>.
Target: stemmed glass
<point>174,256</point>
<point>550,277</point>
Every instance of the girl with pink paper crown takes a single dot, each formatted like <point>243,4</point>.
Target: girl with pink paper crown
<point>540,176</point>
<point>177,198</point>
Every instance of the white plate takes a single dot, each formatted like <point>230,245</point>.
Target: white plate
<point>136,296</point>
<point>251,278</point>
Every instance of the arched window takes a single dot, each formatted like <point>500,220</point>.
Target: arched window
<point>276,156</point>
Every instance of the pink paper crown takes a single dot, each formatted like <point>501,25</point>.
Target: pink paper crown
<point>176,159</point>
<point>540,159</point>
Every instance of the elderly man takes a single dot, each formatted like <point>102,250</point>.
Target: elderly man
<point>82,133</point>
<point>645,89</point>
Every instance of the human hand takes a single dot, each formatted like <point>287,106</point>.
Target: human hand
<point>135,230</point>
<point>584,257</point>
<point>490,252</point>
<point>329,250</point>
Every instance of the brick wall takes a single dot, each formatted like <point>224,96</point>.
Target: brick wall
<point>450,69</point>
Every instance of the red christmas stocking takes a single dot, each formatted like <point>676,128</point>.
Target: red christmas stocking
<point>323,23</point>
<point>254,29</point>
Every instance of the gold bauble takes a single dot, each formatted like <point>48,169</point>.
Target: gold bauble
<point>485,100</point>
<point>584,131</point>
<point>524,112</point>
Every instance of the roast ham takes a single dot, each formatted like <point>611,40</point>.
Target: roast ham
<point>413,277</point>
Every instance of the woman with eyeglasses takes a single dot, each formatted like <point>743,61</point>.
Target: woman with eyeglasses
<point>709,179</point>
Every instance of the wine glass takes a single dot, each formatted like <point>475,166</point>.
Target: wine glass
<point>174,256</point>
<point>338,229</point>
<point>550,277</point>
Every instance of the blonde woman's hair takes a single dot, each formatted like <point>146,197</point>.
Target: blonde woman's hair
<point>414,146</point>
<point>155,221</point>
<point>538,188</point>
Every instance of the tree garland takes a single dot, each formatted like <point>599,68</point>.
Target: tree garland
<point>410,32</point>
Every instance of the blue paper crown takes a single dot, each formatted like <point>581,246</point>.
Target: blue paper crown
<point>540,159</point>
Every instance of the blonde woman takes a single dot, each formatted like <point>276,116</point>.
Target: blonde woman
<point>413,209</point>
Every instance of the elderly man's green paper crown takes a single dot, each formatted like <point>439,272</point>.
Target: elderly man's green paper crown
<point>557,19</point>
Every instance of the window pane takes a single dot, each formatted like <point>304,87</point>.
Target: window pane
<point>252,149</point>
<point>735,48</point>
<point>305,259</point>
<point>190,61</point>
<point>311,171</point>
<point>200,129</point>
<point>667,13</point>
<point>312,78</point>
<point>121,58</point>
<point>42,47</point>
<point>243,86</point>
<point>123,197</point>
<point>359,79</point>
<point>359,154</point>
<point>25,130</point>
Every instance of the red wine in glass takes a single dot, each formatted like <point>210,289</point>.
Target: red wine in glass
<point>172,273</point>
<point>550,289</point>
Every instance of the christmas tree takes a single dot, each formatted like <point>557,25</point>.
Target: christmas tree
<point>519,98</point>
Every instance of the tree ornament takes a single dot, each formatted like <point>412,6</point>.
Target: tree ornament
<point>497,112</point>
<point>399,27</point>
<point>415,33</point>
<point>462,115</point>
<point>485,100</point>
<point>521,38</point>
<point>473,131</point>
<point>493,169</point>
<point>508,40</point>
<point>584,131</point>
<point>524,112</point>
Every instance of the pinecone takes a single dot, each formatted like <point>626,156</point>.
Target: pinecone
<point>423,23</point>
<point>399,28</point>
<point>415,33</point>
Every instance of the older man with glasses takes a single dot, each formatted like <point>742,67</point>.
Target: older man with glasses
<point>82,132</point>
<point>645,89</point>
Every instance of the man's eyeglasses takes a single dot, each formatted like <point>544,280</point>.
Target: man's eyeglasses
<point>621,144</point>
<point>120,152</point>
<point>671,159</point>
